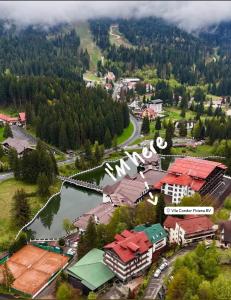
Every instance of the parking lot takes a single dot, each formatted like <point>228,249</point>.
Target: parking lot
<point>153,288</point>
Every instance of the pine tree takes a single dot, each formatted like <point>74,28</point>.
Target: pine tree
<point>145,129</point>
<point>43,184</point>
<point>108,139</point>
<point>7,131</point>
<point>7,276</point>
<point>160,215</point>
<point>183,129</point>
<point>158,124</point>
<point>63,141</point>
<point>20,213</point>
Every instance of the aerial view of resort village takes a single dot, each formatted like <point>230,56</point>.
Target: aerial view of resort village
<point>115,150</point>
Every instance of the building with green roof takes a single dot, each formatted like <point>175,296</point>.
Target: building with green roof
<point>155,233</point>
<point>90,273</point>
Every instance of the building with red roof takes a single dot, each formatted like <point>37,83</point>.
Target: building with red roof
<point>150,113</point>
<point>189,175</point>
<point>190,229</point>
<point>20,120</point>
<point>129,255</point>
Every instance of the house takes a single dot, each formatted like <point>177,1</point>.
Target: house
<point>7,119</point>
<point>101,214</point>
<point>156,235</point>
<point>19,145</point>
<point>150,113</point>
<point>90,273</point>
<point>190,229</point>
<point>135,105</point>
<point>156,105</point>
<point>19,120</point>
<point>189,175</point>
<point>108,87</point>
<point>151,174</point>
<point>110,76</point>
<point>225,233</point>
<point>129,255</point>
<point>153,161</point>
<point>124,192</point>
<point>22,118</point>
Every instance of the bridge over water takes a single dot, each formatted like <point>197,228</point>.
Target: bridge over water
<point>81,183</point>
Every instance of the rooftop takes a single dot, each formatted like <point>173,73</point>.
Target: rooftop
<point>190,224</point>
<point>18,144</point>
<point>91,270</point>
<point>126,191</point>
<point>128,244</point>
<point>194,167</point>
<point>103,212</point>
<point>154,232</point>
<point>226,226</point>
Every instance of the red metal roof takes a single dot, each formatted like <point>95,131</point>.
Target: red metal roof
<point>170,222</point>
<point>7,118</point>
<point>129,244</point>
<point>194,167</point>
<point>190,225</point>
<point>185,180</point>
<point>22,116</point>
<point>189,172</point>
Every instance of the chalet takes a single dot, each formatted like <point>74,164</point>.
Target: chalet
<point>110,76</point>
<point>156,235</point>
<point>156,105</point>
<point>90,273</point>
<point>189,175</point>
<point>150,113</point>
<point>154,161</point>
<point>19,120</point>
<point>225,233</point>
<point>129,255</point>
<point>101,214</point>
<point>124,192</point>
<point>190,229</point>
<point>19,145</point>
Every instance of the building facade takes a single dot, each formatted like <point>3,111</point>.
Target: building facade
<point>129,255</point>
<point>190,229</point>
<point>189,175</point>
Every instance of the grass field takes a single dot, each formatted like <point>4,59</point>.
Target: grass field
<point>203,150</point>
<point>127,132</point>
<point>117,38</point>
<point>7,191</point>
<point>86,42</point>
<point>173,113</point>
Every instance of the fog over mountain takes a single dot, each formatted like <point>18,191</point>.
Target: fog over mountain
<point>190,15</point>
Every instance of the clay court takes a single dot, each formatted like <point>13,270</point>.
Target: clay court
<point>32,267</point>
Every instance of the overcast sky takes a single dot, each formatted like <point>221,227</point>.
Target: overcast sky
<point>189,15</point>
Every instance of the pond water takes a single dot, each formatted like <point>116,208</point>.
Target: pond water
<point>73,202</point>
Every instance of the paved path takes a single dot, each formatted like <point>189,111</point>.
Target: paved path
<point>155,284</point>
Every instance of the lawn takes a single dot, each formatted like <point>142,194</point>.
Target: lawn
<point>86,42</point>
<point>203,150</point>
<point>2,138</point>
<point>7,191</point>
<point>127,132</point>
<point>173,113</point>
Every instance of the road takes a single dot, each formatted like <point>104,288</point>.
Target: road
<point>155,284</point>
<point>136,132</point>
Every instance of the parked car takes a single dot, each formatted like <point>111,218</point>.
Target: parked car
<point>71,251</point>
<point>157,273</point>
<point>164,264</point>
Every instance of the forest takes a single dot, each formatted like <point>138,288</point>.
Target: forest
<point>64,112</point>
<point>34,51</point>
<point>191,59</point>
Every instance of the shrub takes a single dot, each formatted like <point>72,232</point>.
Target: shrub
<point>227,203</point>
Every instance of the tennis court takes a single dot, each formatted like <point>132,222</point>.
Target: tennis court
<point>32,267</point>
